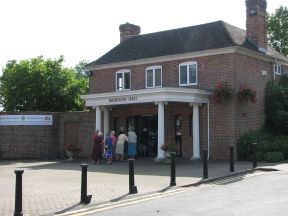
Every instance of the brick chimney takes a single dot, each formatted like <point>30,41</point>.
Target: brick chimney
<point>128,30</point>
<point>256,24</point>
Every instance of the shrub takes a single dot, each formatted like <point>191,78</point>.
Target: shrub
<point>280,144</point>
<point>276,108</point>
<point>245,142</point>
<point>273,156</point>
<point>266,142</point>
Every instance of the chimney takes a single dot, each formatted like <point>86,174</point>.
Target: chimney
<point>128,30</point>
<point>256,24</point>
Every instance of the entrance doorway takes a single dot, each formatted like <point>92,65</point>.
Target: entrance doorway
<point>146,128</point>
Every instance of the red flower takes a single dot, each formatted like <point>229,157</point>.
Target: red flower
<point>72,147</point>
<point>246,94</point>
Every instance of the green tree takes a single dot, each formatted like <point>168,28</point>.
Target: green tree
<point>41,85</point>
<point>276,106</point>
<point>278,30</point>
<point>81,69</point>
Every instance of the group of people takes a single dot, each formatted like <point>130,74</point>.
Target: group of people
<point>111,147</point>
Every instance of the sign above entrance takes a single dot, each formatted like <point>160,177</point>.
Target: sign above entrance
<point>122,99</point>
<point>152,95</point>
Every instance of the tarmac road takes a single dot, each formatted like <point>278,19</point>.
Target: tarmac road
<point>257,194</point>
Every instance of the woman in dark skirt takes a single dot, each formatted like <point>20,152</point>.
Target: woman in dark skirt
<point>97,148</point>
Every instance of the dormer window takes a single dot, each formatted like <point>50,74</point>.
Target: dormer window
<point>123,81</point>
<point>154,77</point>
<point>188,73</point>
<point>277,69</point>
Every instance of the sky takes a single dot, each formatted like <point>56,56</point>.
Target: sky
<point>87,29</point>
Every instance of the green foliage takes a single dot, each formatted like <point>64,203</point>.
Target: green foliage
<point>41,85</point>
<point>283,80</point>
<point>171,147</point>
<point>280,144</point>
<point>246,94</point>
<point>277,30</point>
<point>276,106</point>
<point>245,142</point>
<point>81,69</point>
<point>266,142</point>
<point>273,156</point>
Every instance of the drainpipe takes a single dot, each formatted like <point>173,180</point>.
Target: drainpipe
<point>208,128</point>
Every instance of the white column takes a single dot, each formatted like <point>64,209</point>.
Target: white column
<point>106,121</point>
<point>196,143</point>
<point>161,130</point>
<point>98,118</point>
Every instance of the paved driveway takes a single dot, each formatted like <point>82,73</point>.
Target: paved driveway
<point>54,186</point>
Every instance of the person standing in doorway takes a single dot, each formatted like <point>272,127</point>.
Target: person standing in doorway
<point>122,138</point>
<point>132,143</point>
<point>108,148</point>
<point>94,136</point>
<point>144,139</point>
<point>97,148</point>
<point>114,141</point>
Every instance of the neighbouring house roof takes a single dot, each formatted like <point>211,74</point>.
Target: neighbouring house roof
<point>207,36</point>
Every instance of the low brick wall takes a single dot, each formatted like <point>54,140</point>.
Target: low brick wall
<point>45,141</point>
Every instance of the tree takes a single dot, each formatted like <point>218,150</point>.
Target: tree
<point>276,106</point>
<point>278,30</point>
<point>41,85</point>
<point>81,69</point>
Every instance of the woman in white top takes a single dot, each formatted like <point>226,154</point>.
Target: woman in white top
<point>132,142</point>
<point>122,138</point>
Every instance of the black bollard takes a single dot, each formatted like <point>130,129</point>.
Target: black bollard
<point>132,187</point>
<point>205,164</point>
<point>254,155</point>
<point>231,158</point>
<point>84,198</point>
<point>173,170</point>
<point>18,193</point>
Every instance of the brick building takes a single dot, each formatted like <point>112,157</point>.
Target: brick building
<point>163,81</point>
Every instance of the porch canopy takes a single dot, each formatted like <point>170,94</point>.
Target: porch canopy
<point>159,96</point>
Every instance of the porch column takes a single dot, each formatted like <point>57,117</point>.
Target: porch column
<point>98,118</point>
<point>106,121</point>
<point>161,130</point>
<point>196,143</point>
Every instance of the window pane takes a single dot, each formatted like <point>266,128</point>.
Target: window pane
<point>149,78</point>
<point>158,77</point>
<point>192,73</point>
<point>183,74</point>
<point>119,81</point>
<point>127,80</point>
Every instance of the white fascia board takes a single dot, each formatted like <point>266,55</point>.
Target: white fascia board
<point>147,96</point>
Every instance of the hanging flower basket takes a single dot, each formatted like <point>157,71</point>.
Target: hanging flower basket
<point>222,92</point>
<point>246,94</point>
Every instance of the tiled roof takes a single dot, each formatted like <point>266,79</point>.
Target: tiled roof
<point>177,41</point>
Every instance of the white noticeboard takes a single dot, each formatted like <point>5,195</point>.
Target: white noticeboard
<point>25,120</point>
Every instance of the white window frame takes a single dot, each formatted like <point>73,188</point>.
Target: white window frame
<point>277,68</point>
<point>153,68</point>
<point>122,71</point>
<point>188,76</point>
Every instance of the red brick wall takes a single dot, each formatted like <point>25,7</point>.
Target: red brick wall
<point>41,142</point>
<point>228,120</point>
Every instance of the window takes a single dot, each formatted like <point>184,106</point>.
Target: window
<point>123,80</point>
<point>277,69</point>
<point>188,73</point>
<point>154,76</point>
